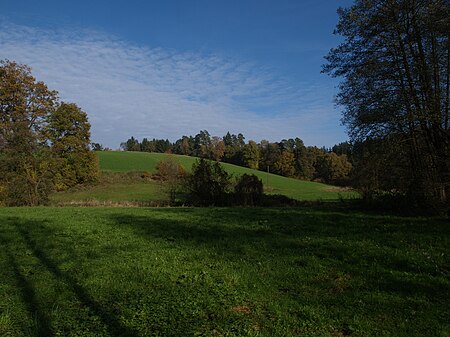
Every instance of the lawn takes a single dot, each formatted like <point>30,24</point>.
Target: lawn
<point>222,272</point>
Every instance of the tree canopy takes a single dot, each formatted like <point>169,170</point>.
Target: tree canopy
<point>37,134</point>
<point>394,62</point>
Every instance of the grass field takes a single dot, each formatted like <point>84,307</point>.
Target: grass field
<point>222,272</point>
<point>113,161</point>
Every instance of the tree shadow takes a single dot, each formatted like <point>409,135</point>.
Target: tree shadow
<point>303,236</point>
<point>332,236</point>
<point>28,231</point>
<point>27,293</point>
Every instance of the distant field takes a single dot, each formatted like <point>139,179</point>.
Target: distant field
<point>115,161</point>
<point>222,272</point>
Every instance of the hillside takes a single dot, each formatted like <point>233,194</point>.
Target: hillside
<point>115,161</point>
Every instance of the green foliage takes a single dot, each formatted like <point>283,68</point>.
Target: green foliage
<point>97,147</point>
<point>208,183</point>
<point>249,190</point>
<point>69,133</point>
<point>394,61</point>
<point>131,144</point>
<point>201,144</point>
<point>284,164</point>
<point>333,169</point>
<point>43,143</point>
<point>251,155</point>
<point>222,271</point>
<point>25,108</point>
<point>31,182</point>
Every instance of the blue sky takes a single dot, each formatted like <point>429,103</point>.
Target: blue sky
<point>169,68</point>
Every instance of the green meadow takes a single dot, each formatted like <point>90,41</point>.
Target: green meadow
<point>147,191</point>
<point>323,270</point>
<point>222,272</point>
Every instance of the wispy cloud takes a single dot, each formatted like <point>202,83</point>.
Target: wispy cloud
<point>152,92</point>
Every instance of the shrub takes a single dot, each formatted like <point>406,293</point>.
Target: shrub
<point>172,175</point>
<point>249,190</point>
<point>208,183</point>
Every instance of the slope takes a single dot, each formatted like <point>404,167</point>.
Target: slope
<point>115,161</point>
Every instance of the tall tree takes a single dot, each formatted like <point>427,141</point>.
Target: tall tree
<point>284,164</point>
<point>202,143</point>
<point>251,155</point>
<point>132,144</point>
<point>217,148</point>
<point>395,64</point>
<point>233,148</point>
<point>69,133</point>
<point>25,106</point>
<point>185,146</point>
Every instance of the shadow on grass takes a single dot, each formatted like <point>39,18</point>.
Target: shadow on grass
<point>27,293</point>
<point>30,231</point>
<point>364,245</point>
<point>324,258</point>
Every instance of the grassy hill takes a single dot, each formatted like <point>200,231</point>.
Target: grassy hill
<point>130,188</point>
<point>114,161</point>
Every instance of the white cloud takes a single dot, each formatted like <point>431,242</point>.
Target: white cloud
<point>152,92</point>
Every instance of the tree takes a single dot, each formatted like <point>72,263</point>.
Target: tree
<point>43,143</point>
<point>379,166</point>
<point>132,144</point>
<point>73,163</point>
<point>217,148</point>
<point>185,146</point>
<point>162,145</point>
<point>146,146</point>
<point>233,148</point>
<point>251,155</point>
<point>332,169</point>
<point>269,155</point>
<point>249,190</point>
<point>208,183</point>
<point>202,143</point>
<point>395,67</point>
<point>25,106</point>
<point>97,147</point>
<point>284,164</point>
<point>343,148</point>
<point>171,174</point>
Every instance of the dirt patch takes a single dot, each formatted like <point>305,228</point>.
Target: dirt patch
<point>242,309</point>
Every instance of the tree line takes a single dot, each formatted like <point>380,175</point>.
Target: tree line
<point>289,158</point>
<point>44,142</point>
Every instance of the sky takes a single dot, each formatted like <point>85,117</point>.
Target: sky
<point>167,68</point>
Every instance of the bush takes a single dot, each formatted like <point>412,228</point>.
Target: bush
<point>208,184</point>
<point>249,190</point>
<point>171,174</point>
